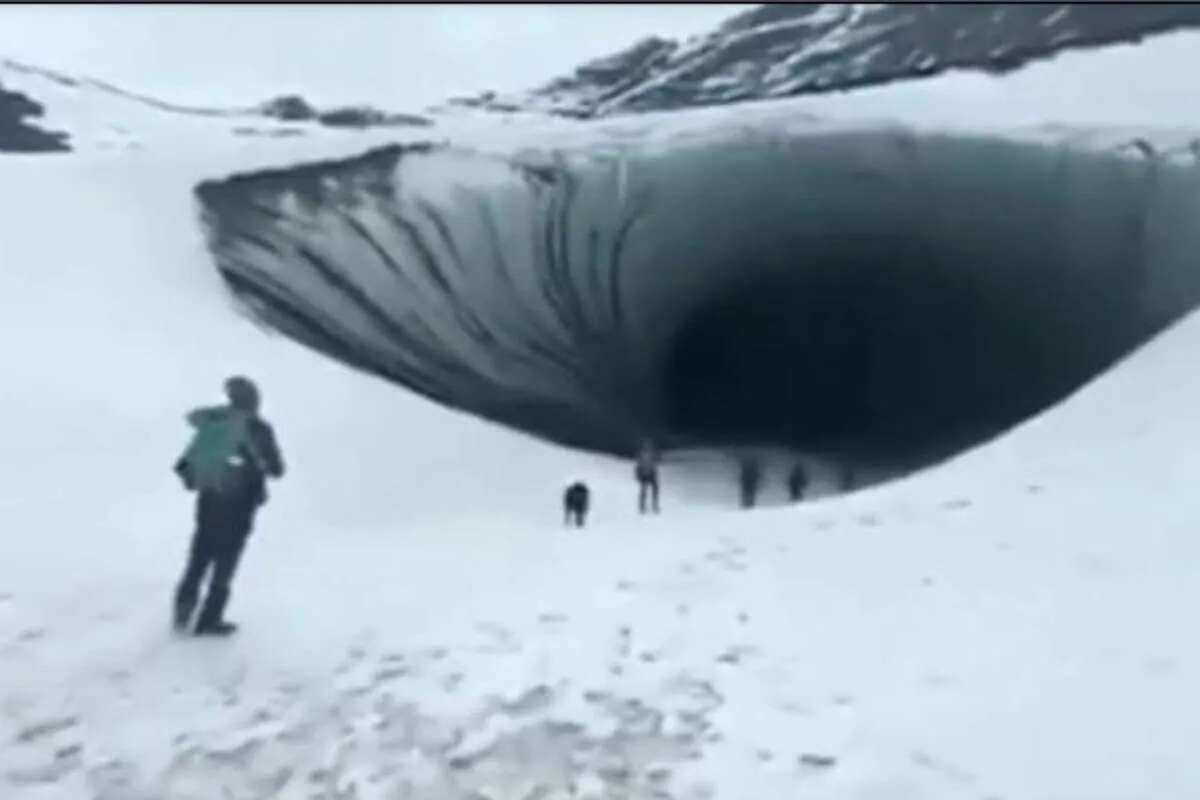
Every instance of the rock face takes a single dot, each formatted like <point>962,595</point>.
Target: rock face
<point>293,108</point>
<point>801,48</point>
<point>17,135</point>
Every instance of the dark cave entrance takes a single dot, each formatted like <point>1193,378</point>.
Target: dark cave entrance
<point>880,352</point>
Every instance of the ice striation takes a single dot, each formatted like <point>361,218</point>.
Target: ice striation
<point>873,293</point>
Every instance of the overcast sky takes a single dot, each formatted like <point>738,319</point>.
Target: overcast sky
<point>389,55</point>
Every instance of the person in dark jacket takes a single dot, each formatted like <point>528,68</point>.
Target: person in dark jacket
<point>797,481</point>
<point>646,473</point>
<point>749,479</point>
<point>225,518</point>
<point>576,500</point>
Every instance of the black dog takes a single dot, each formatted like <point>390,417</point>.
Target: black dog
<point>575,504</point>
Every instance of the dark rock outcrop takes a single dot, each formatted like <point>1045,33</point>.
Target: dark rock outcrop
<point>790,49</point>
<point>17,135</point>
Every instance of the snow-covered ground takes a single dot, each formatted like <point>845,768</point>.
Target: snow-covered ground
<point>417,623</point>
<point>1011,625</point>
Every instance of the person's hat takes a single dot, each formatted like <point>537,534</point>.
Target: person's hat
<point>242,392</point>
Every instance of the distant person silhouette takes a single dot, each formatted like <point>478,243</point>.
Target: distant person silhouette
<point>576,499</point>
<point>749,479</point>
<point>646,472</point>
<point>797,482</point>
<point>232,452</point>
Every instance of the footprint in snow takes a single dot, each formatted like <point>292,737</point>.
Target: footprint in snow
<point>530,701</point>
<point>796,708</point>
<point>31,635</point>
<point>47,728</point>
<point>956,505</point>
<point>735,653</point>
<point>70,752</point>
<point>949,770</point>
<point>624,641</point>
<point>353,656</point>
<point>937,680</point>
<point>112,775</point>
<point>47,773</point>
<point>658,775</point>
<point>495,630</point>
<point>389,672</point>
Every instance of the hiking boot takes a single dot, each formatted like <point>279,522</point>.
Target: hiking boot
<point>221,628</point>
<point>181,618</point>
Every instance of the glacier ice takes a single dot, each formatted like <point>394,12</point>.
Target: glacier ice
<point>869,292</point>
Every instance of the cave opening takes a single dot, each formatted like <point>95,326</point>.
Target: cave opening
<point>877,297</point>
<point>878,351</point>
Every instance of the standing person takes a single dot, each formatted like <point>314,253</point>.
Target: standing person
<point>232,452</point>
<point>646,473</point>
<point>797,481</point>
<point>576,500</point>
<point>749,479</point>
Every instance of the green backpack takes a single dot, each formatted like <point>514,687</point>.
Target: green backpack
<point>209,463</point>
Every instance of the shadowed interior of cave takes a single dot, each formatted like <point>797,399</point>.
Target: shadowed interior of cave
<point>880,351</point>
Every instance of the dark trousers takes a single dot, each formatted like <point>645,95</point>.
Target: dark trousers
<point>648,493</point>
<point>222,527</point>
<point>575,516</point>
<point>749,495</point>
<point>749,485</point>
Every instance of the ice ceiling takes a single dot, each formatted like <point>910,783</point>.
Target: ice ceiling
<point>872,294</point>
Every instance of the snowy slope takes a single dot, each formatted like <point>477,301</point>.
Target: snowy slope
<point>1012,624</point>
<point>99,114</point>
<point>788,49</point>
